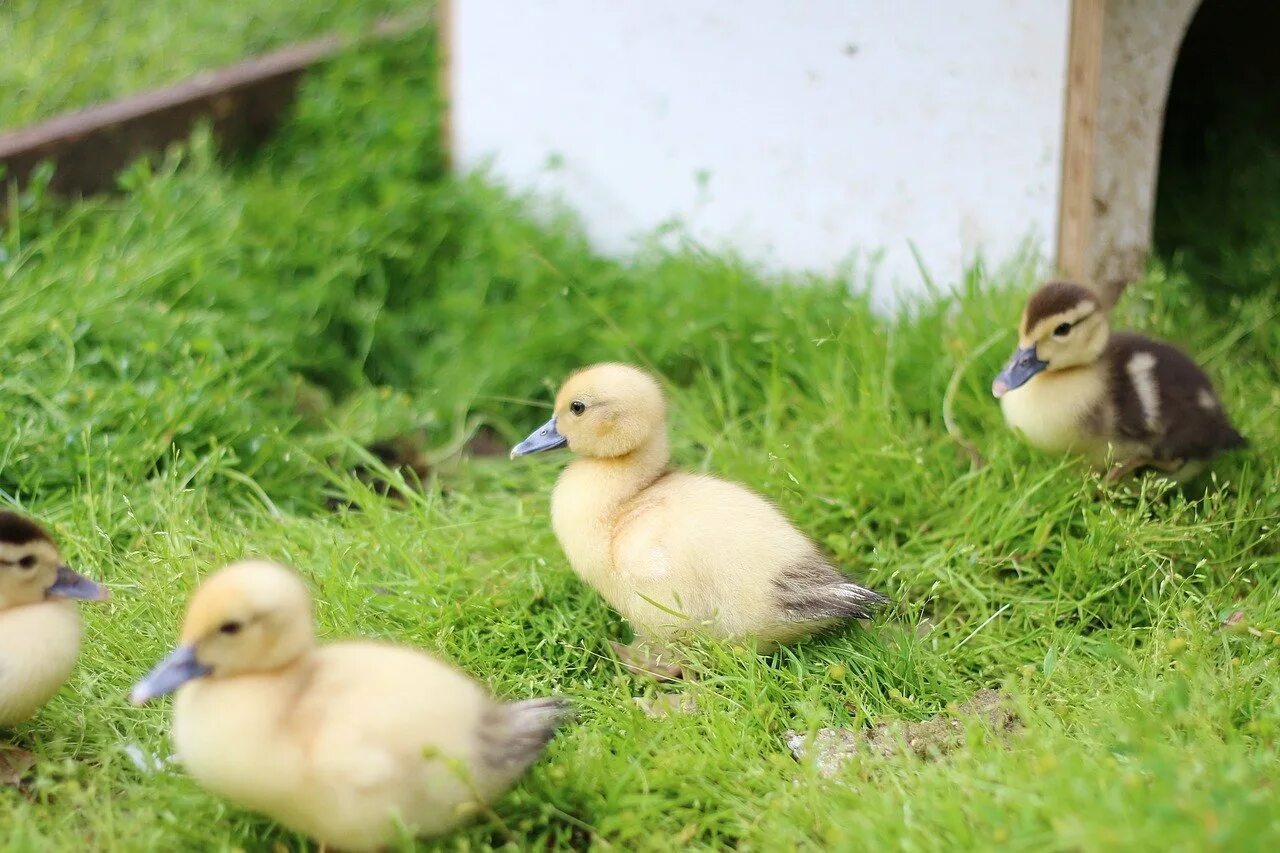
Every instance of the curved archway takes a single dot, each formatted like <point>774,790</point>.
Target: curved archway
<point>1218,194</point>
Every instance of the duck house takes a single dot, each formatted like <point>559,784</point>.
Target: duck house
<point>902,137</point>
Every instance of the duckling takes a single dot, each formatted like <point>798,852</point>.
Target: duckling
<point>1073,386</point>
<point>39,627</point>
<point>674,551</point>
<point>353,743</point>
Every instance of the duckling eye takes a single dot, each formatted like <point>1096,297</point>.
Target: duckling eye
<point>230,627</point>
<point>1061,331</point>
<point>28,562</point>
<point>577,407</point>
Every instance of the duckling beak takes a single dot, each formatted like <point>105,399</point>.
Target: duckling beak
<point>71,584</point>
<point>167,676</point>
<point>545,437</point>
<point>1022,366</point>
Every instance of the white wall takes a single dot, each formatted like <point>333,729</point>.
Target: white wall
<point>796,132</point>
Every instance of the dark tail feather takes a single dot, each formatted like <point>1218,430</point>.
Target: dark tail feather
<point>1235,440</point>
<point>836,601</point>
<point>519,731</point>
<point>859,602</point>
<point>813,590</point>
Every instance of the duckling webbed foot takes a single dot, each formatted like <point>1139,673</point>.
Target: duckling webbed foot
<point>644,660</point>
<point>662,705</point>
<point>1123,469</point>
<point>1169,466</point>
<point>15,765</point>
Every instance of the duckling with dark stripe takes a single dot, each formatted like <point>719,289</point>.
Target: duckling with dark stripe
<point>39,625</point>
<point>1073,386</point>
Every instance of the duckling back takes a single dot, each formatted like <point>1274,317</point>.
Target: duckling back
<point>694,551</point>
<point>1161,399</point>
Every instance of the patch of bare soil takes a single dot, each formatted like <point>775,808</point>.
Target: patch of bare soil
<point>931,739</point>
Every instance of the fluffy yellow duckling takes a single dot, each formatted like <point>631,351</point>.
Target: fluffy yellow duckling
<point>673,551</point>
<point>1074,386</point>
<point>353,743</point>
<point>39,627</point>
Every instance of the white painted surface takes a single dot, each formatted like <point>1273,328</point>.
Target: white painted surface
<point>801,134</point>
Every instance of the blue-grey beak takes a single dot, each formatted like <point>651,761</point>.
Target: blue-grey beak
<point>1018,370</point>
<point>545,437</point>
<point>171,673</point>
<point>72,584</point>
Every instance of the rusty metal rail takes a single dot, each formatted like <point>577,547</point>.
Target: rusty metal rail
<point>244,103</point>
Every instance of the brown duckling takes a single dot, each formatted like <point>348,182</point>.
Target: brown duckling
<point>1073,386</point>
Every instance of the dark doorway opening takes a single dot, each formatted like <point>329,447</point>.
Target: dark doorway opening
<point>1218,199</point>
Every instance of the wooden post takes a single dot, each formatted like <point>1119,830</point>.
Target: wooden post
<point>1080,126</point>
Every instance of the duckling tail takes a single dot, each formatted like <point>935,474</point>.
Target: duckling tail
<point>1235,440</point>
<point>517,732</point>
<point>814,590</point>
<point>859,602</point>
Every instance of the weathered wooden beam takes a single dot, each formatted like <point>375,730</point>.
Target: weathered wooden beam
<point>244,103</point>
<point>1075,204</point>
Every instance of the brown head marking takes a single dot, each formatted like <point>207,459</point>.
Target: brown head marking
<point>19,530</point>
<point>1055,298</point>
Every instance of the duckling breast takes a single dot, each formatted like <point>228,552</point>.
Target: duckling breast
<point>237,737</point>
<point>586,504</point>
<point>1061,411</point>
<point>39,644</point>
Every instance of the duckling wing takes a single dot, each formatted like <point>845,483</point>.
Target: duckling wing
<point>395,733</point>
<point>1162,398</point>
<point>709,550</point>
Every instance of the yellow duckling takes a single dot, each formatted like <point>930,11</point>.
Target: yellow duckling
<point>673,551</point>
<point>356,744</point>
<point>1074,386</point>
<point>39,628</point>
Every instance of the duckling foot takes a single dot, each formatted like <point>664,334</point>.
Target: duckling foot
<point>1124,469</point>
<point>666,704</point>
<point>15,763</point>
<point>1168,466</point>
<point>637,659</point>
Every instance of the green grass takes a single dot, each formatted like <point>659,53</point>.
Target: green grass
<point>72,53</point>
<point>181,366</point>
